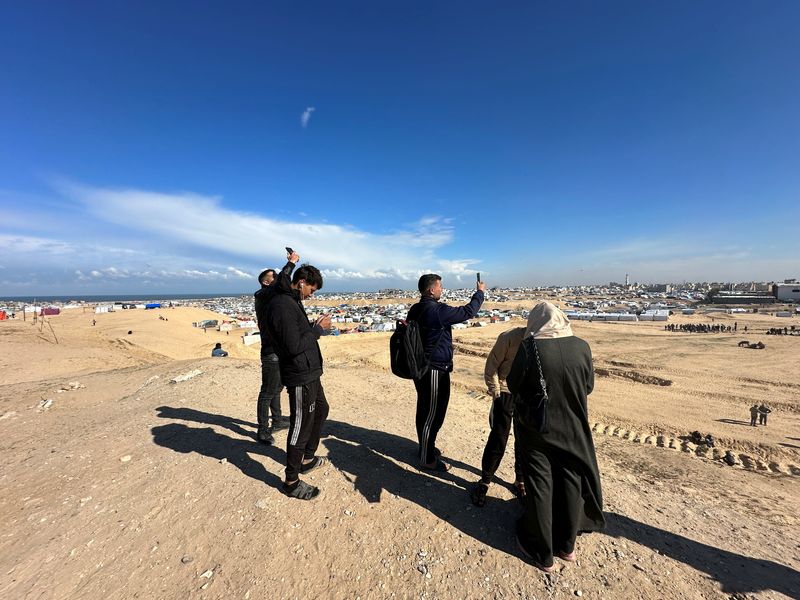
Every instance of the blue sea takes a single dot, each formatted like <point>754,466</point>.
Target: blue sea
<point>118,298</point>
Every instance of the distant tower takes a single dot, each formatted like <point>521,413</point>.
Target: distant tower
<point>627,280</point>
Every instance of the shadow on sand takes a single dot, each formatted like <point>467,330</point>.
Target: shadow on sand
<point>375,461</point>
<point>206,441</point>
<point>733,422</point>
<point>734,572</point>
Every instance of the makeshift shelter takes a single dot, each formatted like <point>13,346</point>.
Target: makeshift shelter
<point>50,310</point>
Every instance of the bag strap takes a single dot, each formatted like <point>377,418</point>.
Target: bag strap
<point>542,380</point>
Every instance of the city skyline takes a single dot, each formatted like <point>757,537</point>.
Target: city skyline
<point>178,149</point>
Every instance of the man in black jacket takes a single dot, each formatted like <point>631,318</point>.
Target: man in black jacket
<point>294,340</point>
<point>269,396</point>
<point>433,388</point>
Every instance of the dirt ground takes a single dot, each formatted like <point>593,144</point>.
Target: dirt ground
<point>125,485</point>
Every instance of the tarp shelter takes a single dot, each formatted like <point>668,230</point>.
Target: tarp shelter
<point>50,310</point>
<point>3,315</point>
<point>152,305</point>
<point>106,308</point>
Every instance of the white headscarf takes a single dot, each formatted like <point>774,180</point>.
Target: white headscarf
<point>546,321</point>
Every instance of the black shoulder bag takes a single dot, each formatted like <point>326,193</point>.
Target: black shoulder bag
<point>532,409</point>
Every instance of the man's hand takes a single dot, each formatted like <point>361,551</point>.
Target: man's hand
<point>481,285</point>
<point>294,257</point>
<point>324,321</point>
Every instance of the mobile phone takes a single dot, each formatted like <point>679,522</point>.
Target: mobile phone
<point>478,276</point>
<point>289,250</point>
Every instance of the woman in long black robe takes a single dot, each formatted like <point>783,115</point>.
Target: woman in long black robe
<point>562,480</point>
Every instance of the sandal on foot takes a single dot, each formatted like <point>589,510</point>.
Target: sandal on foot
<point>439,466</point>
<point>567,556</point>
<point>301,490</point>
<point>478,495</point>
<point>315,462</point>
<point>530,559</point>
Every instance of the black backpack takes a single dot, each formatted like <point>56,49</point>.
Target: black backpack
<point>407,352</point>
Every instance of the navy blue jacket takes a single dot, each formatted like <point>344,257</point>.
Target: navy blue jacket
<point>436,320</point>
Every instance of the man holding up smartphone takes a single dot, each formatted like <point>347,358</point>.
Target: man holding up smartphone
<point>269,396</point>
<point>433,388</point>
<point>294,339</point>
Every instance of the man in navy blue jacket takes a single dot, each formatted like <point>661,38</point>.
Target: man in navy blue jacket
<point>433,388</point>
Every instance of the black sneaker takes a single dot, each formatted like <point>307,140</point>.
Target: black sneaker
<point>279,425</point>
<point>265,437</point>
<point>281,419</point>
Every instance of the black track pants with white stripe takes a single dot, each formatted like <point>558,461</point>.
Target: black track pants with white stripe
<point>433,395</point>
<point>308,411</point>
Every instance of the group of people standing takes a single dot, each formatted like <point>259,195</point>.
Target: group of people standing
<point>539,377</point>
<point>760,412</point>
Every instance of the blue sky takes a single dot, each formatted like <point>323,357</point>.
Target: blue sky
<point>178,147</point>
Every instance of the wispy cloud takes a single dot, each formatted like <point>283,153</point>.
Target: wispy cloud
<point>123,238</point>
<point>204,222</point>
<point>306,116</point>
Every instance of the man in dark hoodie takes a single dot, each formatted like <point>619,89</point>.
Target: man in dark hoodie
<point>294,340</point>
<point>269,396</point>
<point>433,388</point>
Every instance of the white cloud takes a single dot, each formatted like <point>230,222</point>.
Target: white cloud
<point>203,222</point>
<point>306,116</point>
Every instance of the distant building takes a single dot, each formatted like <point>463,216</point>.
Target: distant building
<point>786,292</point>
<point>740,298</point>
<point>659,288</point>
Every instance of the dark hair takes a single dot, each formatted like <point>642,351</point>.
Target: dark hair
<point>219,345</point>
<point>263,276</point>
<point>309,274</point>
<point>427,281</point>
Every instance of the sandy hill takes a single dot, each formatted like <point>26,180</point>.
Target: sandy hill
<point>126,485</point>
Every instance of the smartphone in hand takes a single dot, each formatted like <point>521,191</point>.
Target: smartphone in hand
<point>478,276</point>
<point>289,250</point>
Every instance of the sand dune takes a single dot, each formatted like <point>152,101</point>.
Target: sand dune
<point>132,486</point>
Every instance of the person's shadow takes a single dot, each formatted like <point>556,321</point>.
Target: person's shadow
<point>733,422</point>
<point>734,572</point>
<point>376,462</point>
<point>206,441</point>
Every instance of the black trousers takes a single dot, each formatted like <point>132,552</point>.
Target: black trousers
<point>552,502</point>
<point>762,418</point>
<point>500,419</point>
<point>269,397</point>
<point>433,396</point>
<point>308,411</point>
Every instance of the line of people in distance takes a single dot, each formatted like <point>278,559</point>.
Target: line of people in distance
<point>539,377</point>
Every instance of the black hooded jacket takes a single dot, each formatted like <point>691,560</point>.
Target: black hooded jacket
<point>292,337</point>
<point>262,298</point>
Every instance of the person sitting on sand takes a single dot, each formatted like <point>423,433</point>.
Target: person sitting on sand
<point>218,351</point>
<point>551,377</point>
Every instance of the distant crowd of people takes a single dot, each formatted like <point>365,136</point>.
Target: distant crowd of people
<point>783,331</point>
<point>703,328</point>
